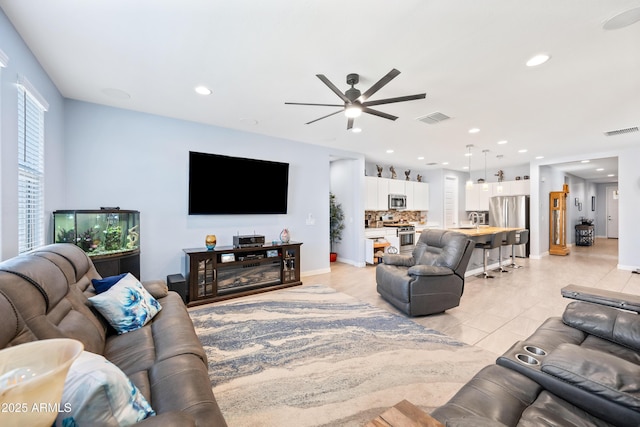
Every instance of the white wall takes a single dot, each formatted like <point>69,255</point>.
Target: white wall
<point>139,161</point>
<point>21,61</point>
<point>347,183</point>
<point>628,208</point>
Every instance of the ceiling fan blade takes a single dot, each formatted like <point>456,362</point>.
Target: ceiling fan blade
<point>324,117</point>
<point>378,113</point>
<point>397,99</point>
<point>333,87</point>
<point>318,105</point>
<point>376,87</point>
<point>350,123</point>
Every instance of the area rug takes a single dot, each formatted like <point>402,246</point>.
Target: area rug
<point>312,356</point>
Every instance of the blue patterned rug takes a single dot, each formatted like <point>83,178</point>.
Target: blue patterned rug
<point>312,356</point>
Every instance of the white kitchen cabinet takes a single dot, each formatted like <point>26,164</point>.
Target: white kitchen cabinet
<point>476,199</point>
<point>419,196</point>
<point>396,186</point>
<point>383,194</point>
<point>388,234</point>
<point>521,187</point>
<point>409,188</point>
<point>377,194</point>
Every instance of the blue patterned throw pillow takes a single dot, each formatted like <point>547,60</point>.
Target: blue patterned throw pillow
<point>127,305</point>
<point>97,393</point>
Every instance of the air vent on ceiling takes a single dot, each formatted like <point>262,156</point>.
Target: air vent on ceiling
<point>621,131</point>
<point>433,118</point>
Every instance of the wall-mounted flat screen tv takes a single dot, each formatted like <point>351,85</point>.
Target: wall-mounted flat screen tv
<point>222,185</point>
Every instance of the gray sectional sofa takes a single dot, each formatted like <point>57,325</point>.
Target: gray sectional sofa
<point>579,370</point>
<point>44,294</point>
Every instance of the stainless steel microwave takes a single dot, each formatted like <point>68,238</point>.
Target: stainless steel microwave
<point>397,201</point>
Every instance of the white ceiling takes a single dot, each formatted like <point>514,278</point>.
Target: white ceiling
<point>467,55</point>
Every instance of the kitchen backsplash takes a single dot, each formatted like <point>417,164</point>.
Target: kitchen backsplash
<point>375,218</point>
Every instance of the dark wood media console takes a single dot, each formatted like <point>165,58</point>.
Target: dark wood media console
<point>228,272</point>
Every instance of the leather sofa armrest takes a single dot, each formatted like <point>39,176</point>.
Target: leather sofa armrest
<point>602,297</point>
<point>401,260</point>
<point>429,270</point>
<point>604,322</point>
<point>602,374</point>
<point>157,288</point>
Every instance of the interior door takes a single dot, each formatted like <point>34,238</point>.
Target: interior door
<point>612,212</point>
<point>450,202</point>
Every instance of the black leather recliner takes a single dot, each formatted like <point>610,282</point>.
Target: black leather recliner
<point>431,279</point>
<point>579,370</point>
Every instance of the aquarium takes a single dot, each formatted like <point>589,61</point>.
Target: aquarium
<point>98,232</point>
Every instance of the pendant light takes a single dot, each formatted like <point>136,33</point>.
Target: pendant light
<point>469,182</point>
<point>485,185</point>
<point>499,188</point>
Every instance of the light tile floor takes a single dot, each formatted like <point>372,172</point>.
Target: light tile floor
<point>495,313</point>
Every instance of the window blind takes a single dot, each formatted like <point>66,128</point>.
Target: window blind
<point>30,171</point>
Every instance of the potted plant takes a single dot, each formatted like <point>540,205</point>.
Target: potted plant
<point>336,224</point>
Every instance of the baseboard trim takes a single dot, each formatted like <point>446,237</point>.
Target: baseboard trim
<point>315,272</point>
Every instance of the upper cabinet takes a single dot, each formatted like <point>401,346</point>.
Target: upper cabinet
<point>378,190</point>
<point>477,199</point>
<point>377,194</point>
<point>417,195</point>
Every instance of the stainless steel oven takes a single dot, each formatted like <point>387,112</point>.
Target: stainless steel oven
<point>407,237</point>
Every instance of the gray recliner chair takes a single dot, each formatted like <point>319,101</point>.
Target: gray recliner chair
<point>431,279</point>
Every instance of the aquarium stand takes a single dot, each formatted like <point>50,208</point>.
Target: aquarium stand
<point>230,272</point>
<point>112,265</point>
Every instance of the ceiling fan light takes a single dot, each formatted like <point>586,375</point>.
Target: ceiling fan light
<point>352,111</point>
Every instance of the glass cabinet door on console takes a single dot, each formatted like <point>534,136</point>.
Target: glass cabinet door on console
<point>558,222</point>
<point>204,275</point>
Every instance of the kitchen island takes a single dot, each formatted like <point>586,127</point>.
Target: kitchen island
<point>483,234</point>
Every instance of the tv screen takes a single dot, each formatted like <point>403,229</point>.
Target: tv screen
<point>220,185</point>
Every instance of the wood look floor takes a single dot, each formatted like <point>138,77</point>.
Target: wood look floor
<point>495,313</point>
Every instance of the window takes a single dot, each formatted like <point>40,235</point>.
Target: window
<point>31,108</point>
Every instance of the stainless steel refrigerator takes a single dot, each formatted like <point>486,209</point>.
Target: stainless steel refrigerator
<point>511,212</point>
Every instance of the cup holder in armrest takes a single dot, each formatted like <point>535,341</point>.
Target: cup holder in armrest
<point>537,351</point>
<point>527,360</point>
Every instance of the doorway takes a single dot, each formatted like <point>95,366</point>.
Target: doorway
<point>612,212</point>
<point>450,202</point>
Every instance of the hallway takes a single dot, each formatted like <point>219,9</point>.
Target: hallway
<point>494,313</point>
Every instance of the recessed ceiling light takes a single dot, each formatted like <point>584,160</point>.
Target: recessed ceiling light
<point>389,151</point>
<point>585,161</point>
<point>610,175</point>
<point>538,59</point>
<point>474,130</point>
<point>421,158</point>
<point>203,90</point>
<point>599,169</point>
<point>524,150</point>
<point>356,130</point>
<point>468,154</point>
<point>504,141</point>
<point>465,167</point>
<point>445,163</point>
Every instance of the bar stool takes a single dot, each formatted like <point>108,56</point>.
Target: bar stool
<point>522,240</point>
<point>494,242</point>
<point>510,240</point>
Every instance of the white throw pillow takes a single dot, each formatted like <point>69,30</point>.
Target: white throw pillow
<point>127,305</point>
<point>97,393</point>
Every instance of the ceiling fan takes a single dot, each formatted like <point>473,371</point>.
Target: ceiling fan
<point>356,103</point>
